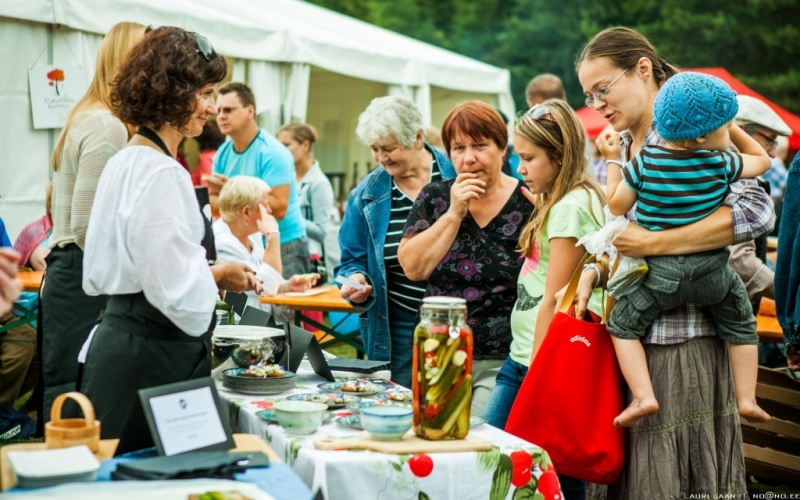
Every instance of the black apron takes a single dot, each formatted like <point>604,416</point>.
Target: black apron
<point>136,347</point>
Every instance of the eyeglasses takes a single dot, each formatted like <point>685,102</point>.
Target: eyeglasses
<point>227,110</point>
<point>538,112</point>
<point>771,142</point>
<point>602,92</point>
<point>205,48</point>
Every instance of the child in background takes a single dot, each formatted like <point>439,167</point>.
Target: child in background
<point>672,186</point>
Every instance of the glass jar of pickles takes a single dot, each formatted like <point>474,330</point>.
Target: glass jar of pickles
<point>442,370</point>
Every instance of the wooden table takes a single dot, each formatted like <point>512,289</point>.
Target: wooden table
<point>244,442</point>
<point>31,280</point>
<point>106,451</point>
<point>327,301</point>
<point>767,326</point>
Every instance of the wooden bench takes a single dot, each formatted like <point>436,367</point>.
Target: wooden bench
<point>772,450</point>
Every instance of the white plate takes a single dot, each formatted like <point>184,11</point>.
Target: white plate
<point>57,462</point>
<point>246,332</point>
<point>307,293</point>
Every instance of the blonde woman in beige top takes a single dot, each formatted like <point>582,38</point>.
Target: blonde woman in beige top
<point>91,135</point>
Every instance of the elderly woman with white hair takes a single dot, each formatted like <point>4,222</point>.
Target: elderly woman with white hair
<point>373,224</point>
<point>246,222</point>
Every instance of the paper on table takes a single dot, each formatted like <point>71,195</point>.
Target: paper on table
<point>136,490</point>
<point>49,463</point>
<point>307,293</point>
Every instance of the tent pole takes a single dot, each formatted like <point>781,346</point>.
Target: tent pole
<point>51,133</point>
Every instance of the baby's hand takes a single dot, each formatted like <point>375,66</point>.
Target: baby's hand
<point>608,145</point>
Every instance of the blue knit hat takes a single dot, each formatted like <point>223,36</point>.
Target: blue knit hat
<point>691,105</point>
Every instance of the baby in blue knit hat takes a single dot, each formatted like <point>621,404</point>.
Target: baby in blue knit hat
<point>676,185</point>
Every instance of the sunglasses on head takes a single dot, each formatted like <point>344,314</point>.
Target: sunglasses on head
<point>205,48</point>
<point>538,112</point>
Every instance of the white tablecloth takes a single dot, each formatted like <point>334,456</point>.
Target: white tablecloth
<point>354,474</point>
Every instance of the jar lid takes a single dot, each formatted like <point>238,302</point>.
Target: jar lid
<point>444,301</point>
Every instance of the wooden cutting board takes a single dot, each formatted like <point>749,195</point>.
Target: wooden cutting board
<point>411,443</point>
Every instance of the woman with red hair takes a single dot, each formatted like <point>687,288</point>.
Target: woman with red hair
<point>462,234</point>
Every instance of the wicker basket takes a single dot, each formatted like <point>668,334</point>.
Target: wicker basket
<point>66,432</point>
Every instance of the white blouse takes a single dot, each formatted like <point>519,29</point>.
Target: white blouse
<point>230,248</point>
<point>144,235</point>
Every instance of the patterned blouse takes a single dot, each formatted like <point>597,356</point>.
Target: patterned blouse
<point>482,265</point>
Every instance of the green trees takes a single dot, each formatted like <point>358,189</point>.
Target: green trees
<point>756,40</point>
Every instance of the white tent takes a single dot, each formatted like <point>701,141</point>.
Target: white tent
<point>304,63</point>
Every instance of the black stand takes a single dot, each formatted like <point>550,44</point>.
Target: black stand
<point>300,343</point>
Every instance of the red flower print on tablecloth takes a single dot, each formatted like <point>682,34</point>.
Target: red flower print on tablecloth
<point>264,405</point>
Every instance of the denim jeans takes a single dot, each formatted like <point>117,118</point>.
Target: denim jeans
<point>506,388</point>
<point>401,332</point>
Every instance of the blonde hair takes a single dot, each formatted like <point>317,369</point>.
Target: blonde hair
<point>563,140</point>
<point>113,50</point>
<point>301,132</point>
<point>238,193</point>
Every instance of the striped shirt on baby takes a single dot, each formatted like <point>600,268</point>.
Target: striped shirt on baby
<point>675,188</point>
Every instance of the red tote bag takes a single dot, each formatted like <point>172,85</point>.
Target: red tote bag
<point>571,395</point>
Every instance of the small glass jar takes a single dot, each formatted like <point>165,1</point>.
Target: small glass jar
<point>442,370</point>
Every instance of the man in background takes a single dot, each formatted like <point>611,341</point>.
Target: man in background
<point>255,152</point>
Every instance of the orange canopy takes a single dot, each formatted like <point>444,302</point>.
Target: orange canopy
<point>595,123</point>
<point>791,119</point>
<point>592,121</point>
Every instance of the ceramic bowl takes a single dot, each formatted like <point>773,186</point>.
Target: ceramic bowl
<point>386,423</point>
<point>357,406</point>
<point>299,417</point>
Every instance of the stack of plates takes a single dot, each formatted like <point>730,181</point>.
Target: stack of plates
<point>43,468</point>
<point>246,332</point>
<point>235,380</point>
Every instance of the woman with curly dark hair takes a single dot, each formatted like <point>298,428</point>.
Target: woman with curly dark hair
<point>143,242</point>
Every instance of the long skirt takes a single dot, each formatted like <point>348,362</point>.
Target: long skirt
<point>693,445</point>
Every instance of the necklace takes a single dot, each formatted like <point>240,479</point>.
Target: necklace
<point>147,133</point>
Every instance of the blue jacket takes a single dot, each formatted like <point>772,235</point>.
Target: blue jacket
<point>787,271</point>
<point>361,239</point>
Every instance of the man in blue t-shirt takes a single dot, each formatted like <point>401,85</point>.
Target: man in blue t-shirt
<point>253,151</point>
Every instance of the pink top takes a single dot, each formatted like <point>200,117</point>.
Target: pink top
<point>203,167</point>
<point>30,237</point>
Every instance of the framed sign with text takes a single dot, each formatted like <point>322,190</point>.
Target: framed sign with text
<point>54,89</point>
<point>186,416</point>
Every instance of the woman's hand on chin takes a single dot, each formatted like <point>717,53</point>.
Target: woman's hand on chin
<point>466,188</point>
